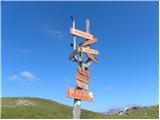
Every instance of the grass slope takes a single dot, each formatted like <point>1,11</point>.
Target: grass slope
<point>47,109</point>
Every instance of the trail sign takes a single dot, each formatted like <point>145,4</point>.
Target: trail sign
<point>83,71</point>
<point>81,85</point>
<point>81,34</point>
<point>81,77</point>
<point>91,57</point>
<point>96,52</point>
<point>88,42</point>
<point>73,53</point>
<point>79,94</point>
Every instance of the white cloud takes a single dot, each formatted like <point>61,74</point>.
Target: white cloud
<point>27,75</point>
<point>14,77</point>
<point>24,75</point>
<point>57,33</point>
<point>108,88</point>
<point>50,29</point>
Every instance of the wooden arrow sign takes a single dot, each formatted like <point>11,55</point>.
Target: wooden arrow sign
<point>83,71</point>
<point>88,42</point>
<point>96,52</point>
<point>81,34</point>
<point>91,57</point>
<point>81,77</point>
<point>81,85</point>
<point>79,94</point>
<point>73,53</point>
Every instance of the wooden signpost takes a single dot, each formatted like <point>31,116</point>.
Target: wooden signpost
<point>82,76</point>
<point>81,85</point>
<point>96,52</point>
<point>88,42</point>
<point>81,34</point>
<point>91,57</point>
<point>79,94</point>
<point>83,71</point>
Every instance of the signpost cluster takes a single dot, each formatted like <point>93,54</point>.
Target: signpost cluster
<point>82,75</point>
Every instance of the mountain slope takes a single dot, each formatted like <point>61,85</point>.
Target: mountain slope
<point>16,107</point>
<point>36,108</point>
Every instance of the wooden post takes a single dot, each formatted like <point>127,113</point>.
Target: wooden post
<point>77,102</point>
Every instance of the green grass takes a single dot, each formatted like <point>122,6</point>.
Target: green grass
<point>47,109</point>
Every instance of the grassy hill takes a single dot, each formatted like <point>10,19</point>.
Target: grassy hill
<point>26,107</point>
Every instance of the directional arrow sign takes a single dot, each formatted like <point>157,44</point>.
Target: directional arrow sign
<point>73,53</point>
<point>81,34</point>
<point>83,71</point>
<point>88,42</point>
<point>81,85</point>
<point>96,52</point>
<point>91,57</point>
<point>81,77</point>
<point>79,94</point>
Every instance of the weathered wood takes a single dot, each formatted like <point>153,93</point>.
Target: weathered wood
<point>81,85</point>
<point>88,42</point>
<point>83,71</point>
<point>92,51</point>
<point>73,53</point>
<point>81,77</point>
<point>81,34</point>
<point>91,57</point>
<point>79,94</point>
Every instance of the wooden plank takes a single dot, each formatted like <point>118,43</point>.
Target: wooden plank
<point>81,85</point>
<point>81,34</point>
<point>83,71</point>
<point>81,77</point>
<point>79,94</point>
<point>92,51</point>
<point>73,53</point>
<point>91,57</point>
<point>88,42</point>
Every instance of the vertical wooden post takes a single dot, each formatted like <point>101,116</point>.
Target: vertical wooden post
<point>77,102</point>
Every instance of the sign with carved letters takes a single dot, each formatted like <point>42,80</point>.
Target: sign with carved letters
<point>81,77</point>
<point>79,94</point>
<point>81,34</point>
<point>83,71</point>
<point>81,85</point>
<point>92,51</point>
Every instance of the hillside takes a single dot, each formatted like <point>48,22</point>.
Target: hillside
<point>27,107</point>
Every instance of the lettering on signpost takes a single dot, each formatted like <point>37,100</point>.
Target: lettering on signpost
<point>79,94</point>
<point>96,52</point>
<point>81,85</point>
<point>83,71</point>
<point>81,34</point>
<point>81,77</point>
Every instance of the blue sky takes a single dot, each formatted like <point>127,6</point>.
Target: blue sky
<point>36,46</point>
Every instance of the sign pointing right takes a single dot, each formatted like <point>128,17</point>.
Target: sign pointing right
<point>91,57</point>
<point>96,52</point>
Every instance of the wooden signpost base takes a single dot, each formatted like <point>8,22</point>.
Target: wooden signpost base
<point>77,109</point>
